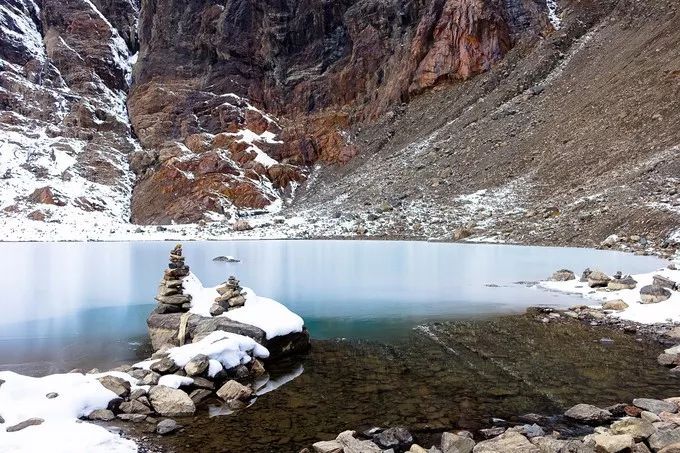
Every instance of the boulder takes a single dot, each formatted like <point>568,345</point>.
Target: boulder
<point>617,305</point>
<point>612,443</point>
<point>664,438</point>
<point>134,407</point>
<point>242,225</point>
<point>233,390</point>
<point>104,415</point>
<point>164,366</point>
<point>626,282</point>
<point>197,365</point>
<point>352,445</point>
<point>171,402</point>
<point>454,443</point>
<point>664,282</point>
<point>563,275</point>
<point>117,385</point>
<point>397,438</point>
<point>328,446</point>
<point>638,428</point>
<point>508,442</point>
<point>598,279</point>
<point>588,413</point>
<point>167,426</point>
<point>652,294</point>
<point>668,359</point>
<point>655,406</point>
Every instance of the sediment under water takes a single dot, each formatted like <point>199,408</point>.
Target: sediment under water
<point>442,376</point>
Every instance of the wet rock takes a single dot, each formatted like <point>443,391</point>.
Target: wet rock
<point>117,385</point>
<point>563,275</point>
<point>25,424</point>
<point>197,365</point>
<point>598,279</point>
<point>652,294</point>
<point>454,443</point>
<point>588,413</point>
<point>167,426</point>
<point>618,305</point>
<point>610,443</point>
<point>655,406</point>
<point>638,428</point>
<point>509,442</point>
<point>104,415</point>
<point>397,438</point>
<point>171,402</point>
<point>233,390</point>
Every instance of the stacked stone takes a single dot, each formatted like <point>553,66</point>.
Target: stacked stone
<point>170,297</point>
<point>231,296</point>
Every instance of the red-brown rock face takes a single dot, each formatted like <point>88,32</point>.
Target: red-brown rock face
<point>208,71</point>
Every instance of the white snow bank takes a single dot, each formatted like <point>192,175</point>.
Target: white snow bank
<point>224,349</point>
<point>24,397</point>
<point>267,314</point>
<point>667,311</point>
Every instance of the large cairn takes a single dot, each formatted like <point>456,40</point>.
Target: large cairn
<point>231,296</point>
<point>170,297</point>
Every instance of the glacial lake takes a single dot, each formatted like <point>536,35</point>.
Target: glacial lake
<point>67,305</point>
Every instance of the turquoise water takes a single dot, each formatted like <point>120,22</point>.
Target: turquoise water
<point>85,304</point>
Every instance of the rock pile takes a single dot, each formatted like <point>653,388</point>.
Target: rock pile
<point>231,296</point>
<point>170,297</point>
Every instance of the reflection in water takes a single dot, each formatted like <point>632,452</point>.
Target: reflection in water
<point>68,303</point>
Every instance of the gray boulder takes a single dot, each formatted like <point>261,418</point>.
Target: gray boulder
<point>664,282</point>
<point>25,424</point>
<point>167,426</point>
<point>508,442</point>
<point>626,282</point>
<point>104,415</point>
<point>454,443</point>
<point>655,406</point>
<point>117,385</point>
<point>197,365</point>
<point>134,407</point>
<point>171,402</point>
<point>397,438</point>
<point>164,366</point>
<point>598,279</point>
<point>611,443</point>
<point>638,428</point>
<point>588,413</point>
<point>563,275</point>
<point>652,294</point>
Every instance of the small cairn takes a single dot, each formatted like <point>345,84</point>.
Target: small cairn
<point>231,296</point>
<point>170,297</point>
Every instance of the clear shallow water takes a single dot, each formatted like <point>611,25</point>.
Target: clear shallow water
<point>85,304</point>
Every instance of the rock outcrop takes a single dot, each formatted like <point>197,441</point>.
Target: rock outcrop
<point>231,113</point>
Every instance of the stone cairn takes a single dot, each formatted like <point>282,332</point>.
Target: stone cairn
<point>231,296</point>
<point>170,297</point>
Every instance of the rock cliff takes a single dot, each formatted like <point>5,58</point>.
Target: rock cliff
<point>233,101</point>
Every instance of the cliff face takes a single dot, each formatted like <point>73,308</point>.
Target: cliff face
<point>64,130</point>
<point>233,101</point>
